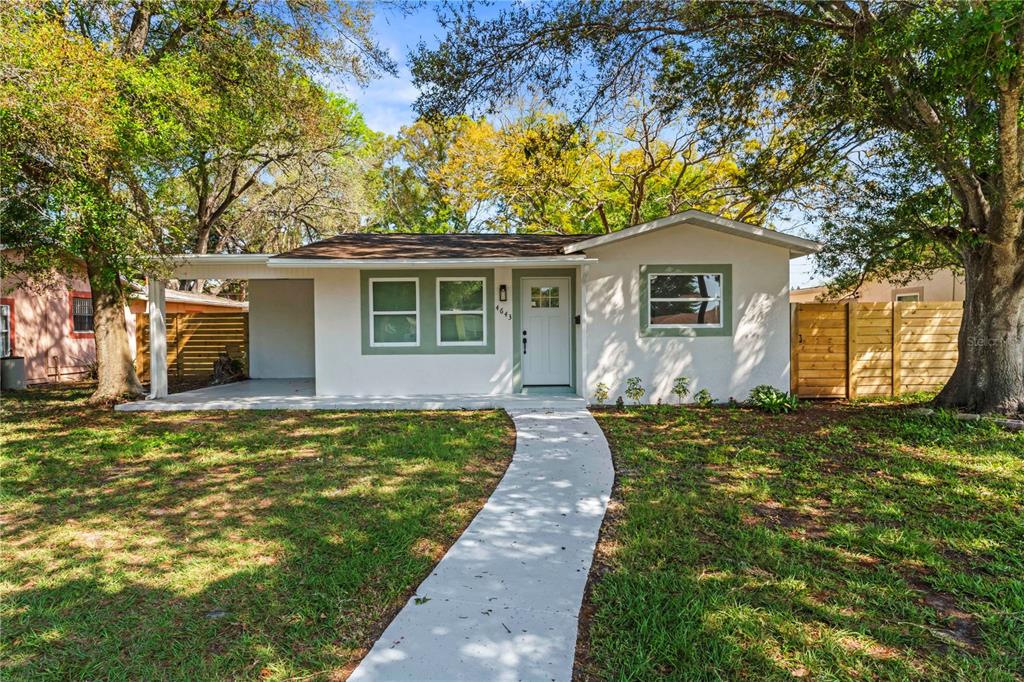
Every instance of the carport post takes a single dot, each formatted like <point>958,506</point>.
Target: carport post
<point>157,339</point>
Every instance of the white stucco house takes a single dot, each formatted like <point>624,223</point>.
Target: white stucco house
<point>411,314</point>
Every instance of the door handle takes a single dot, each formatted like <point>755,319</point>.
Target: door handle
<point>524,342</point>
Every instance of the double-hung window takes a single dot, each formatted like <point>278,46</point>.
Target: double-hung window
<point>460,311</point>
<point>6,328</point>
<point>81,314</point>
<point>395,312</point>
<point>685,300</point>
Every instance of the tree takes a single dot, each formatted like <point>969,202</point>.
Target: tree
<point>412,195</point>
<point>213,96</point>
<point>66,141</point>
<point>918,102</point>
<point>533,170</point>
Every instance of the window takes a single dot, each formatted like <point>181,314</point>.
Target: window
<point>543,297</point>
<point>907,298</point>
<point>427,312</point>
<point>6,328</point>
<point>460,311</point>
<point>81,314</point>
<point>395,312</point>
<point>685,300</point>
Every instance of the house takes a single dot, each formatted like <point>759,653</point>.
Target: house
<point>942,285</point>
<point>51,324</point>
<point>413,314</point>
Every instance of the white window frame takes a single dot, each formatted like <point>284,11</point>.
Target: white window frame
<point>373,327</point>
<point>6,351</point>
<point>482,312</point>
<point>651,300</point>
<point>903,298</point>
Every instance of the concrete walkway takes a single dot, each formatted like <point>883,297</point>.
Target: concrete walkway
<point>504,601</point>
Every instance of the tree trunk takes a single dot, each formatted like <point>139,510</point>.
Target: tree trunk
<point>989,374</point>
<point>117,378</point>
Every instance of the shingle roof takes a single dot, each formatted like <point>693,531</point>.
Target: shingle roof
<point>362,245</point>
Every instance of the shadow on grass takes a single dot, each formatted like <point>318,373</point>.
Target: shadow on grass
<point>841,542</point>
<point>252,544</point>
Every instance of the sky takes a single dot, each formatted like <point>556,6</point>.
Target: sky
<point>387,102</point>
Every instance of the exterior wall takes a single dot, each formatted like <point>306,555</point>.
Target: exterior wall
<point>343,369</point>
<point>757,351</point>
<point>42,329</point>
<point>943,285</point>
<point>281,329</point>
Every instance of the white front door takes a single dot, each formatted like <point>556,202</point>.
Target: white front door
<point>545,339</point>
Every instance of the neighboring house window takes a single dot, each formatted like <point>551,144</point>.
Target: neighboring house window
<point>908,298</point>
<point>686,300</point>
<point>81,313</point>
<point>6,329</point>
<point>460,311</point>
<point>395,312</point>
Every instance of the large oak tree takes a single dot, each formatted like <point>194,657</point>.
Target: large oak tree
<point>133,129</point>
<point>911,111</point>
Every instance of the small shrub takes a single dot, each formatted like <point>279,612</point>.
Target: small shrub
<point>634,390</point>
<point>620,404</point>
<point>703,398</point>
<point>773,401</point>
<point>601,393</point>
<point>681,387</point>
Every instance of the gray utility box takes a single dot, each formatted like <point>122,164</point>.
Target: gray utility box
<point>12,373</point>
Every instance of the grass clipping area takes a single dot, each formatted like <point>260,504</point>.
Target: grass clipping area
<point>839,542</point>
<point>247,545</point>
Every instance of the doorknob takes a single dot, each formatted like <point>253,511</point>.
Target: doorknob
<point>524,342</point>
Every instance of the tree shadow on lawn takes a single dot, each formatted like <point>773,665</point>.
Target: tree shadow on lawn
<point>834,543</point>
<point>226,544</point>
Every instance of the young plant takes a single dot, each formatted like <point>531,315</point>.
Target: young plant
<point>772,400</point>
<point>601,393</point>
<point>703,398</point>
<point>620,404</point>
<point>681,387</point>
<point>634,390</point>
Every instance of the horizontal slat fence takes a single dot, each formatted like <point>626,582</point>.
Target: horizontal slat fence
<point>864,349</point>
<point>194,342</point>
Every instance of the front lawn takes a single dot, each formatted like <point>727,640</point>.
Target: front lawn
<point>840,542</point>
<point>230,545</point>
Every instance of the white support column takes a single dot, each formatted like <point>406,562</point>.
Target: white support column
<point>157,340</point>
<point>582,374</point>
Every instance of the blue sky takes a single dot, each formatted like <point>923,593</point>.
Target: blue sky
<point>386,103</point>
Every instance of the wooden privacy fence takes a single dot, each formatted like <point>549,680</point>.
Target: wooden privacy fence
<point>194,342</point>
<point>863,349</point>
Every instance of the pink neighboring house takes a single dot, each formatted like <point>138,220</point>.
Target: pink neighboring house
<point>52,326</point>
<point>39,324</point>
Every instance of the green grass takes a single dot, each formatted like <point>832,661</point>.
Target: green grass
<point>837,543</point>
<point>124,533</point>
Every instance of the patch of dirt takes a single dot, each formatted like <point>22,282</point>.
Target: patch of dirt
<point>961,629</point>
<point>799,523</point>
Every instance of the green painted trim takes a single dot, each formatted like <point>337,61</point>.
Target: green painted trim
<point>517,320</point>
<point>645,309</point>
<point>428,312</point>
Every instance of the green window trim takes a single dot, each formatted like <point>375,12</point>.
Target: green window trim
<point>649,330</point>
<point>428,308</point>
